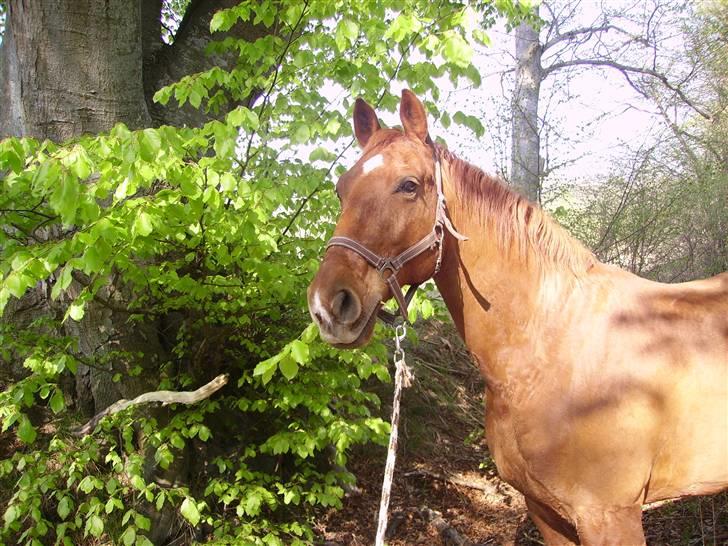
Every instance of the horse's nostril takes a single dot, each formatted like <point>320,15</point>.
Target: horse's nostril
<point>345,306</point>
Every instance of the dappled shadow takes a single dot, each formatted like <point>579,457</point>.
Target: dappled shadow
<point>680,317</point>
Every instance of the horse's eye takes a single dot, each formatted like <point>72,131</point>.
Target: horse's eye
<point>408,185</point>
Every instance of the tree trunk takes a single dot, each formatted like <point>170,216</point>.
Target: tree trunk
<point>71,67</point>
<point>526,145</point>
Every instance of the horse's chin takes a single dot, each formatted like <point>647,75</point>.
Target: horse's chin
<point>364,335</point>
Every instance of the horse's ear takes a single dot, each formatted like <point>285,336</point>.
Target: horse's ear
<point>365,121</point>
<point>413,116</point>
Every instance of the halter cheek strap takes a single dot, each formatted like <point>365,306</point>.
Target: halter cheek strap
<point>389,267</point>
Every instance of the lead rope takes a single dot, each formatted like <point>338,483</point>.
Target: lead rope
<point>402,379</point>
<point>403,373</point>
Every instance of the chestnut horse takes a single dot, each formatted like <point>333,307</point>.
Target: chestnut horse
<point>604,391</point>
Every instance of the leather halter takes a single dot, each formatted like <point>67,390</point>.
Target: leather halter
<point>389,267</point>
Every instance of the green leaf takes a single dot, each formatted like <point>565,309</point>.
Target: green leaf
<point>94,526</point>
<point>301,134</point>
<point>228,182</point>
<point>128,537</point>
<point>57,401</point>
<point>189,511</point>
<point>26,430</point>
<point>163,95</point>
<point>299,351</point>
<point>87,484</point>
<point>76,311</point>
<point>321,154</point>
<point>310,333</point>
<point>177,441</point>
<point>15,285</point>
<point>222,20</point>
<point>92,261</point>
<point>149,144</point>
<point>456,50</point>
<point>78,162</point>
<point>142,522</point>
<point>204,433</point>
<point>243,117</point>
<point>473,74</point>
<point>288,367</point>
<point>9,157</point>
<point>160,500</point>
<point>64,199</point>
<point>403,26</point>
<point>267,368</point>
<point>65,505</point>
<point>142,225</point>
<point>471,122</point>
<point>347,32</point>
<point>137,482</point>
<point>11,514</point>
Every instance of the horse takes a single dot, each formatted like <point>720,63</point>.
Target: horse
<point>604,391</point>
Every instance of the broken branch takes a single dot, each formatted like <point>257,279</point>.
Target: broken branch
<point>165,397</point>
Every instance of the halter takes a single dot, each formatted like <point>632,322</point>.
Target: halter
<point>389,267</point>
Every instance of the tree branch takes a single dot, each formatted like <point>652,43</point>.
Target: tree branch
<point>186,55</point>
<point>626,70</point>
<point>166,397</point>
<point>578,32</point>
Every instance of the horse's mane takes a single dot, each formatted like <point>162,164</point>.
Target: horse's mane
<point>518,224</point>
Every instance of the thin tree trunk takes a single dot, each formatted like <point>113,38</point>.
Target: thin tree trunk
<point>526,144</point>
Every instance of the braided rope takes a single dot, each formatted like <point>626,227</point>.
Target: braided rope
<point>402,379</point>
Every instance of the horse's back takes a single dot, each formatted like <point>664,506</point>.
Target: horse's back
<point>681,331</point>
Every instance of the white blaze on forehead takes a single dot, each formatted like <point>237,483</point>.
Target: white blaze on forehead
<point>372,163</point>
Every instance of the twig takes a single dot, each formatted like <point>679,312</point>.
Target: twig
<point>166,397</point>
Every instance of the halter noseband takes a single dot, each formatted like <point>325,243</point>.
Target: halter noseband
<point>389,267</point>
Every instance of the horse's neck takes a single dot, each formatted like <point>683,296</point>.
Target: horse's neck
<point>499,299</point>
<point>487,293</point>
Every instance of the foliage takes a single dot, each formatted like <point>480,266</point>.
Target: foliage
<point>213,232</point>
<point>664,214</point>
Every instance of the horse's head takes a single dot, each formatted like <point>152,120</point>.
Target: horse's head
<point>388,204</point>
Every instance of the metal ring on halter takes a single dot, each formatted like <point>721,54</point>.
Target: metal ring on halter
<point>387,266</point>
<point>400,332</point>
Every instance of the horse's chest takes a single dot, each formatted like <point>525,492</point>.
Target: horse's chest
<point>514,444</point>
<point>500,431</point>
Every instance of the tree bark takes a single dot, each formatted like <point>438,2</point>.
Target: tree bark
<point>187,54</point>
<point>526,142</point>
<point>71,67</point>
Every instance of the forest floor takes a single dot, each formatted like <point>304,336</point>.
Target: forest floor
<point>446,490</point>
